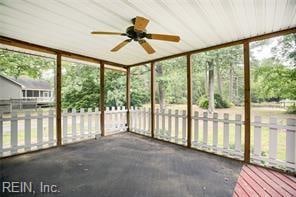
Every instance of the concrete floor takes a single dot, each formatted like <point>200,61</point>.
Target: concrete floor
<point>124,165</point>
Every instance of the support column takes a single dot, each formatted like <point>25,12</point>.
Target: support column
<point>58,99</point>
<point>189,100</point>
<point>152,78</point>
<point>128,97</point>
<point>247,101</point>
<point>102,97</point>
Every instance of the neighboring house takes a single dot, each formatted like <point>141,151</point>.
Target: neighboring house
<point>25,88</point>
<point>9,88</point>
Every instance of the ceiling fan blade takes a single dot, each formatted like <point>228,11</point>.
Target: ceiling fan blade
<point>148,48</point>
<point>107,33</point>
<point>120,45</point>
<point>140,23</point>
<point>171,38</point>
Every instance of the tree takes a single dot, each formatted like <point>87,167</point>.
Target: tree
<point>161,85</point>
<point>275,78</point>
<point>140,85</point>
<point>211,99</point>
<point>115,88</point>
<point>171,81</point>
<point>274,81</point>
<point>80,86</point>
<point>219,63</point>
<point>285,50</point>
<point>16,64</point>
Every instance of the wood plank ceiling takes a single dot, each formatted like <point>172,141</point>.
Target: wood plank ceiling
<point>66,24</point>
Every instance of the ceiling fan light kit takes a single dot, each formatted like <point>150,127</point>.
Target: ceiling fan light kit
<point>138,33</point>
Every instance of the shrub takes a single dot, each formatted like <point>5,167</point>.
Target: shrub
<point>291,109</point>
<point>220,102</point>
<point>203,102</point>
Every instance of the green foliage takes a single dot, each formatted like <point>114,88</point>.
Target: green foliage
<point>115,84</point>
<point>219,102</point>
<point>140,85</point>
<point>171,81</point>
<point>80,87</point>
<point>285,50</point>
<point>16,64</point>
<point>291,109</point>
<point>203,102</point>
<point>223,60</point>
<point>273,81</point>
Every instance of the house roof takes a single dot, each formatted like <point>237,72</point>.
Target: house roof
<point>33,84</point>
<point>66,25</point>
<point>28,83</point>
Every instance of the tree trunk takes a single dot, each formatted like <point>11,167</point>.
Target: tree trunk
<point>161,93</point>
<point>206,80</point>
<point>211,107</point>
<point>219,81</point>
<point>230,93</point>
<point>236,90</point>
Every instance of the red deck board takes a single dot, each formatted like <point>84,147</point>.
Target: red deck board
<point>268,179</point>
<point>235,194</point>
<point>257,181</point>
<point>254,185</point>
<point>240,191</point>
<point>279,182</point>
<point>261,182</point>
<point>246,187</point>
<point>288,180</point>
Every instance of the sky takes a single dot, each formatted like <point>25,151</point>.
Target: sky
<point>264,51</point>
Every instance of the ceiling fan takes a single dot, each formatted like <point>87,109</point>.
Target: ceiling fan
<point>138,33</point>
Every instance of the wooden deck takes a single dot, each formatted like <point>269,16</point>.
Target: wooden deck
<point>257,181</point>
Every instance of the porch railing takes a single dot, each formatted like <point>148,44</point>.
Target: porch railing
<point>115,120</point>
<point>22,132</point>
<point>32,130</point>
<point>273,142</point>
<point>80,124</point>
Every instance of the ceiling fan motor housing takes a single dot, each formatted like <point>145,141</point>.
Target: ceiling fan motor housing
<point>135,35</point>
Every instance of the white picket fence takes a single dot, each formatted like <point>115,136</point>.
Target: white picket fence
<point>22,132</point>
<point>140,121</point>
<point>80,124</point>
<point>222,134</point>
<point>208,130</point>
<point>33,130</point>
<point>286,131</point>
<point>168,126</point>
<point>115,120</point>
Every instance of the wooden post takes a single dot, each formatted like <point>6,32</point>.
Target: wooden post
<point>152,72</point>
<point>58,99</point>
<point>189,100</point>
<point>128,97</point>
<point>102,97</point>
<point>247,101</point>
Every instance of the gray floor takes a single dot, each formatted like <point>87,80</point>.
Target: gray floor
<point>124,165</point>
